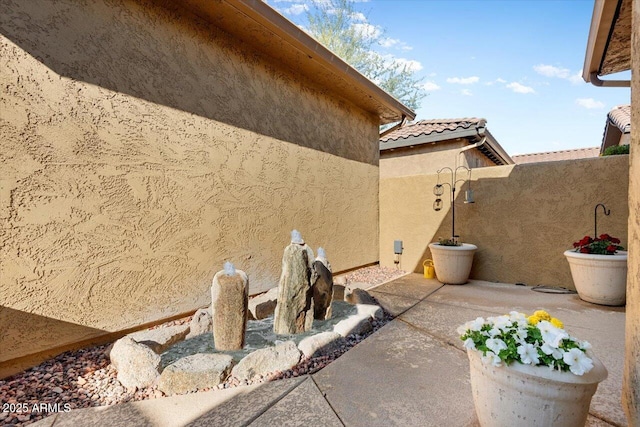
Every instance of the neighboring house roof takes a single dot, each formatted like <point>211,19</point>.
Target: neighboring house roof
<point>609,44</point>
<point>256,24</point>
<point>552,156</point>
<point>618,125</point>
<point>432,131</point>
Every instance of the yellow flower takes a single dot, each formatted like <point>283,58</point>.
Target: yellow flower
<point>543,315</point>
<point>533,319</point>
<point>557,323</point>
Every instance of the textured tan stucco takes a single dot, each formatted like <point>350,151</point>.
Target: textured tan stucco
<point>141,149</point>
<point>428,158</point>
<point>524,218</point>
<point>631,383</point>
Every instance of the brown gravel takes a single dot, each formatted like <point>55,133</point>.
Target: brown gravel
<point>85,378</point>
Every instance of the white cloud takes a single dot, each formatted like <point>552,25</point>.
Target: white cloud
<point>296,9</point>
<point>576,79</point>
<point>463,80</point>
<point>500,80</point>
<point>389,42</point>
<point>551,71</point>
<point>411,64</point>
<point>406,47</point>
<point>589,103</point>
<point>430,86</point>
<point>368,30</point>
<point>359,16</point>
<point>432,74</point>
<point>466,92</point>
<point>519,88</point>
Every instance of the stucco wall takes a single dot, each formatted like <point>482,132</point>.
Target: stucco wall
<point>631,383</point>
<point>428,158</point>
<point>141,149</point>
<point>524,218</point>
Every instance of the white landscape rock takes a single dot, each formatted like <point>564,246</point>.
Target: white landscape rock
<point>138,366</point>
<point>263,305</point>
<point>195,372</point>
<point>160,339</point>
<point>356,324</point>
<point>320,344</point>
<point>358,296</point>
<point>374,311</point>
<point>201,323</point>
<point>278,358</point>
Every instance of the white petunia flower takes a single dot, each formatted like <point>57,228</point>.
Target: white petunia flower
<point>578,362</point>
<point>495,345</point>
<point>549,350</point>
<point>472,325</point>
<point>468,343</point>
<point>501,322</point>
<point>528,354</point>
<point>550,334</point>
<point>492,359</point>
<point>585,345</point>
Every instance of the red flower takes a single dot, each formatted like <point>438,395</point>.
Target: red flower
<point>605,237</point>
<point>614,240</point>
<point>585,241</point>
<point>585,250</point>
<point>612,248</point>
<point>576,244</point>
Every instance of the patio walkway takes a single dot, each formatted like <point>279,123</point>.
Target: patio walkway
<point>411,372</point>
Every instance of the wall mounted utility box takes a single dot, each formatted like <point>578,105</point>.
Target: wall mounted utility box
<point>397,247</point>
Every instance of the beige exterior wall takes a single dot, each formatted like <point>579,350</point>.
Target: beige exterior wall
<point>141,149</point>
<point>631,383</point>
<point>524,218</point>
<point>428,158</point>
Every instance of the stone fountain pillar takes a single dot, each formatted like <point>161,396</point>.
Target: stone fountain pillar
<point>294,310</point>
<point>323,288</point>
<point>229,296</point>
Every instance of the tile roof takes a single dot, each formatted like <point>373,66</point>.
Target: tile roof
<point>427,127</point>
<point>552,156</point>
<point>621,117</point>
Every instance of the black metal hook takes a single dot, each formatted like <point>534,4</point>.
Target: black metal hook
<point>595,218</point>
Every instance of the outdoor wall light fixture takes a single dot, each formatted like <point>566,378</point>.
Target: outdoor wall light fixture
<point>438,190</point>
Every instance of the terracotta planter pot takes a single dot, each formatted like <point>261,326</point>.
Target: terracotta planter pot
<point>600,279</point>
<point>453,263</point>
<point>525,395</point>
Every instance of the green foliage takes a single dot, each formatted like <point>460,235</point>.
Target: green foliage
<point>614,150</point>
<point>449,242</point>
<point>339,27</point>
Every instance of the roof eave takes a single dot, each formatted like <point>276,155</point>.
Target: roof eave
<point>601,23</point>
<point>299,52</point>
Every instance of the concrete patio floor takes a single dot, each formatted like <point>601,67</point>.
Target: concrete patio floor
<point>411,372</point>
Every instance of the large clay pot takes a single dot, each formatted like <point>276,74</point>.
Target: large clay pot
<point>453,263</point>
<point>525,395</point>
<point>600,279</point>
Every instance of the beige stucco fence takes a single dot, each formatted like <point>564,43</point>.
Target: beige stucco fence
<point>140,149</point>
<point>524,217</point>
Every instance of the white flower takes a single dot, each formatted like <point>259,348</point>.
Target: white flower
<point>468,343</point>
<point>500,322</point>
<point>578,362</point>
<point>550,334</point>
<point>528,354</point>
<point>491,358</point>
<point>585,345</point>
<point>495,345</point>
<point>552,351</point>
<point>473,325</point>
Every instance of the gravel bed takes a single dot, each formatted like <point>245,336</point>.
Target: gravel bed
<point>85,378</point>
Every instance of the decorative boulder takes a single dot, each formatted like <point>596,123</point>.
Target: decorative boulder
<point>279,358</point>
<point>230,308</point>
<point>263,305</point>
<point>359,296</point>
<point>160,339</point>
<point>195,372</point>
<point>320,344</point>
<point>356,324</point>
<point>294,310</point>
<point>137,365</point>
<point>201,323</point>
<point>322,288</point>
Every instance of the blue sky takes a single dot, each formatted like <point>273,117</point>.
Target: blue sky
<point>515,63</point>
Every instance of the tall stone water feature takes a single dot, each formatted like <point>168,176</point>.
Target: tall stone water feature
<point>229,298</point>
<point>323,288</point>
<point>294,310</point>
